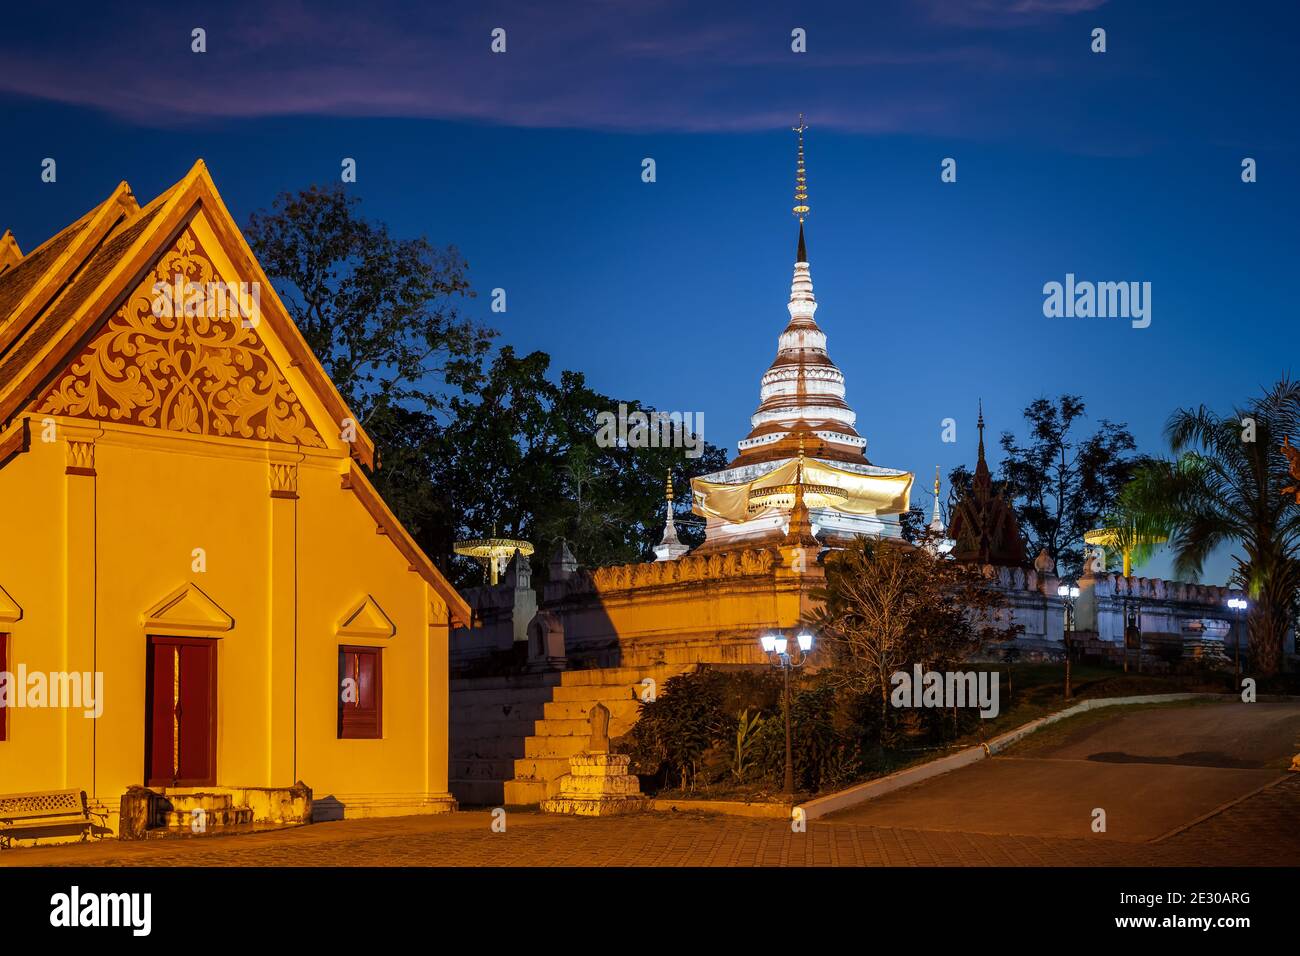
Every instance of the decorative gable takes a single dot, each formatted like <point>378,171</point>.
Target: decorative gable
<point>367,619</point>
<point>187,610</point>
<point>183,354</point>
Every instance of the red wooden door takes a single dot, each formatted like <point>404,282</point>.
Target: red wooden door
<point>181,712</point>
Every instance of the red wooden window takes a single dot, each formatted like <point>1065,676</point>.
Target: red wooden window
<point>360,692</point>
<point>4,667</point>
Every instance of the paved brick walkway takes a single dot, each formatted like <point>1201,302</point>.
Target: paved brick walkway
<point>1261,830</point>
<point>1180,787</point>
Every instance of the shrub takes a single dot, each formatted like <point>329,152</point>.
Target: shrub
<point>679,726</point>
<point>823,757</point>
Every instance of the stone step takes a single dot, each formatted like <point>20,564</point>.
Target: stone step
<point>212,819</point>
<point>618,675</point>
<point>185,801</point>
<point>540,768</point>
<point>615,784</point>
<point>525,791</point>
<point>555,746</point>
<point>581,710</point>
<point>595,692</point>
<point>581,727</point>
<point>541,726</point>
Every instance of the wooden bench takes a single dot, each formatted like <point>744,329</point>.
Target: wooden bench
<point>44,813</point>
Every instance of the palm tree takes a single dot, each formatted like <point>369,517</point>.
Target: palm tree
<point>1225,487</point>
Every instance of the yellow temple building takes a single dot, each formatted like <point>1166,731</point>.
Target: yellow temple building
<point>201,593</point>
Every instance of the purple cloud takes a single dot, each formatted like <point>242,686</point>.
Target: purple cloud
<point>669,64</point>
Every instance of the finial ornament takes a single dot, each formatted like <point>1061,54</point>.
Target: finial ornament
<point>936,481</point>
<point>670,547</point>
<point>800,208</point>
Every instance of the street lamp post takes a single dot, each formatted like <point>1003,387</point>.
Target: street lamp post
<point>1238,605</point>
<point>781,655</point>
<point>1068,593</point>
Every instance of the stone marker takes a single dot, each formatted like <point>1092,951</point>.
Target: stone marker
<point>599,742</point>
<point>598,783</point>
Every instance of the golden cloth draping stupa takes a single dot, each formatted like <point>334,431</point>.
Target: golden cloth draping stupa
<point>825,486</point>
<point>802,409</point>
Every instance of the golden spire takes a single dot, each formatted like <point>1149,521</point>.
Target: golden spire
<point>670,484</point>
<point>936,481</point>
<point>800,177</point>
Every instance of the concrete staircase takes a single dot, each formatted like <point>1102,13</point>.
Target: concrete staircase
<point>218,811</point>
<point>511,737</point>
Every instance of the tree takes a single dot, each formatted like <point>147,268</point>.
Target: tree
<point>520,455</point>
<point>380,313</point>
<point>886,606</point>
<point>1063,484</point>
<point>1224,487</point>
<point>468,441</point>
<point>381,316</point>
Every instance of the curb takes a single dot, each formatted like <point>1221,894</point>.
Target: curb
<point>731,808</point>
<point>1219,809</point>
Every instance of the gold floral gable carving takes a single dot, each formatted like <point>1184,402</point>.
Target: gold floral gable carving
<point>199,374</point>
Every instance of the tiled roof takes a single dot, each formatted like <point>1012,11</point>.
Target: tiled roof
<point>18,281</point>
<point>82,286</point>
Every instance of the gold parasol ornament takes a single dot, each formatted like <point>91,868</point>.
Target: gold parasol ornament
<point>1126,539</point>
<point>493,553</point>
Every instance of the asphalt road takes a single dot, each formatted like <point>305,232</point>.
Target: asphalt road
<point>1150,771</point>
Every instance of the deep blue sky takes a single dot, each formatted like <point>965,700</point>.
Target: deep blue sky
<point>1118,166</point>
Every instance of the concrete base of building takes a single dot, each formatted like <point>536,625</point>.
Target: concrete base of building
<point>361,806</point>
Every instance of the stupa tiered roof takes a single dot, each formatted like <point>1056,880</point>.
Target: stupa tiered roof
<point>801,395</point>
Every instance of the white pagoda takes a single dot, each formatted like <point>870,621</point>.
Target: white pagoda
<point>802,434</point>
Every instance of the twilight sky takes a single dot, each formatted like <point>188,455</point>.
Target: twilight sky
<point>1122,166</point>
